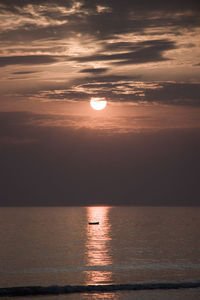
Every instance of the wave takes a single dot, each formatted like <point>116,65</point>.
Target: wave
<point>56,290</point>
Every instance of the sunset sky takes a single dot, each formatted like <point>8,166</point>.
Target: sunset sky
<point>143,58</point>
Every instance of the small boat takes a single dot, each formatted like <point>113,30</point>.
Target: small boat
<point>93,223</point>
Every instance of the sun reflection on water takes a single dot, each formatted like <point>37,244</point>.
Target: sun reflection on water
<point>98,249</point>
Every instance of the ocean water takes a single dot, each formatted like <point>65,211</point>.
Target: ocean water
<point>45,246</point>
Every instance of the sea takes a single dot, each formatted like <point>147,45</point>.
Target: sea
<point>131,253</point>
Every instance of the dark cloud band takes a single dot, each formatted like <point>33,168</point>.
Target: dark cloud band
<point>26,60</point>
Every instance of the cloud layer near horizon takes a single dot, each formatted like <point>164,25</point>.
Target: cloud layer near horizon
<point>44,164</point>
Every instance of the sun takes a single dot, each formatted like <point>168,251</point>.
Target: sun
<point>98,103</point>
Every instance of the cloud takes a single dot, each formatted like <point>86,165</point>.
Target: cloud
<point>27,60</point>
<point>25,20</point>
<point>148,51</point>
<point>24,72</point>
<point>175,93</point>
<point>62,159</point>
<point>122,89</point>
<point>101,45</point>
<point>94,70</point>
<point>110,49</point>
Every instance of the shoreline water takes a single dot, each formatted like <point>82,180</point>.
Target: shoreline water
<point>57,290</point>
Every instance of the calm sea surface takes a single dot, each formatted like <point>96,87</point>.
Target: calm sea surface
<point>56,246</point>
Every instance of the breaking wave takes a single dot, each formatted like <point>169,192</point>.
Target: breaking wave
<point>56,290</point>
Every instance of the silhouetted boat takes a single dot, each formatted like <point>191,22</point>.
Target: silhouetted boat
<point>93,223</point>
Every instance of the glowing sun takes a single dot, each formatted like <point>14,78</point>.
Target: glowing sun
<point>98,103</point>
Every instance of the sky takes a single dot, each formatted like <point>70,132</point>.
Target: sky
<point>140,56</point>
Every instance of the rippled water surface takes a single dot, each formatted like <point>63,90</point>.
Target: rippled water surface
<point>56,246</point>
